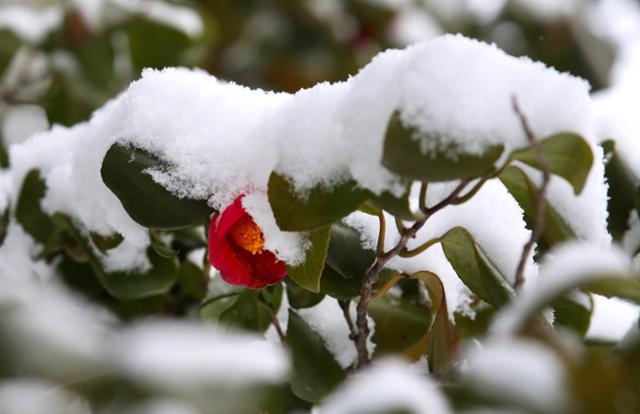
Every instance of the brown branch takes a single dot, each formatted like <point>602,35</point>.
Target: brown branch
<point>345,305</point>
<point>539,202</point>
<point>373,274</point>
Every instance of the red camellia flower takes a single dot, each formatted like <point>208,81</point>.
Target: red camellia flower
<point>236,249</point>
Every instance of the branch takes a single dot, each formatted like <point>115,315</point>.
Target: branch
<point>539,202</point>
<point>373,274</point>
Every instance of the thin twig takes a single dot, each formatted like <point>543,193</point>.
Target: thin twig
<point>419,249</point>
<point>399,225</point>
<point>346,305</point>
<point>539,201</point>
<point>276,324</point>
<point>373,274</point>
<point>381,233</point>
<point>422,198</point>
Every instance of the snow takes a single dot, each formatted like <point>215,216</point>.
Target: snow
<point>326,319</point>
<point>222,139</point>
<point>523,372</point>
<point>28,396</point>
<point>30,24</point>
<point>190,357</point>
<point>612,318</point>
<point>22,121</point>
<point>564,268</point>
<point>387,385</point>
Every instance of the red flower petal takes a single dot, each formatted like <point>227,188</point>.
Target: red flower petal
<point>236,265</point>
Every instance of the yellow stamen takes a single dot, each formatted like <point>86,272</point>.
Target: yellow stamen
<point>246,234</point>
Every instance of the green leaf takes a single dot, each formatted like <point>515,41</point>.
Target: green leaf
<point>474,268</point>
<point>154,45</point>
<point>346,254</point>
<point>621,191</point>
<point>147,202</point>
<point>308,274</point>
<point>192,280</point>
<point>321,206</point>
<point>568,156</point>
<point>620,286</point>
<point>399,324</point>
<point>131,285</point>
<point>397,206</point>
<point>247,312</point>
<point>315,370</point>
<point>403,155</point>
<point>301,298</point>
<point>212,309</point>
<point>335,285</point>
<point>523,190</point>
<point>28,210</point>
<point>105,243</point>
<point>573,312</point>
<point>443,339</point>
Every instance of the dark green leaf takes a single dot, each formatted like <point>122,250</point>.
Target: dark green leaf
<point>320,207</point>
<point>474,268</point>
<point>568,156</point>
<point>399,324</point>
<point>154,45</point>
<point>404,156</point>
<point>315,370</point>
<point>131,285</point>
<point>346,254</point>
<point>105,243</point>
<point>397,206</point>
<point>621,191</point>
<point>573,312</point>
<point>247,312</point>
<point>308,274</point>
<point>192,280</point>
<point>335,285</point>
<point>28,211</point>
<point>147,202</point>
<point>302,298</point>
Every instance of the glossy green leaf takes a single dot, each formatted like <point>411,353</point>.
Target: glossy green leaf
<point>321,206</point>
<point>147,202</point>
<point>568,156</point>
<point>213,308</point>
<point>28,210</point>
<point>442,344</point>
<point>404,156</point>
<point>315,370</point>
<point>523,190</point>
<point>308,274</point>
<point>399,324</point>
<point>346,254</point>
<point>301,298</point>
<point>474,267</point>
<point>622,190</point>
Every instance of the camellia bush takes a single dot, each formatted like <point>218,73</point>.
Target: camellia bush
<point>432,235</point>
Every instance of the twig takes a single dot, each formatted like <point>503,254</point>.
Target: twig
<point>276,325</point>
<point>539,201</point>
<point>381,233</point>
<point>373,274</point>
<point>345,305</point>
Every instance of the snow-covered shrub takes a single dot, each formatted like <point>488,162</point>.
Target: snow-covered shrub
<point>436,234</point>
